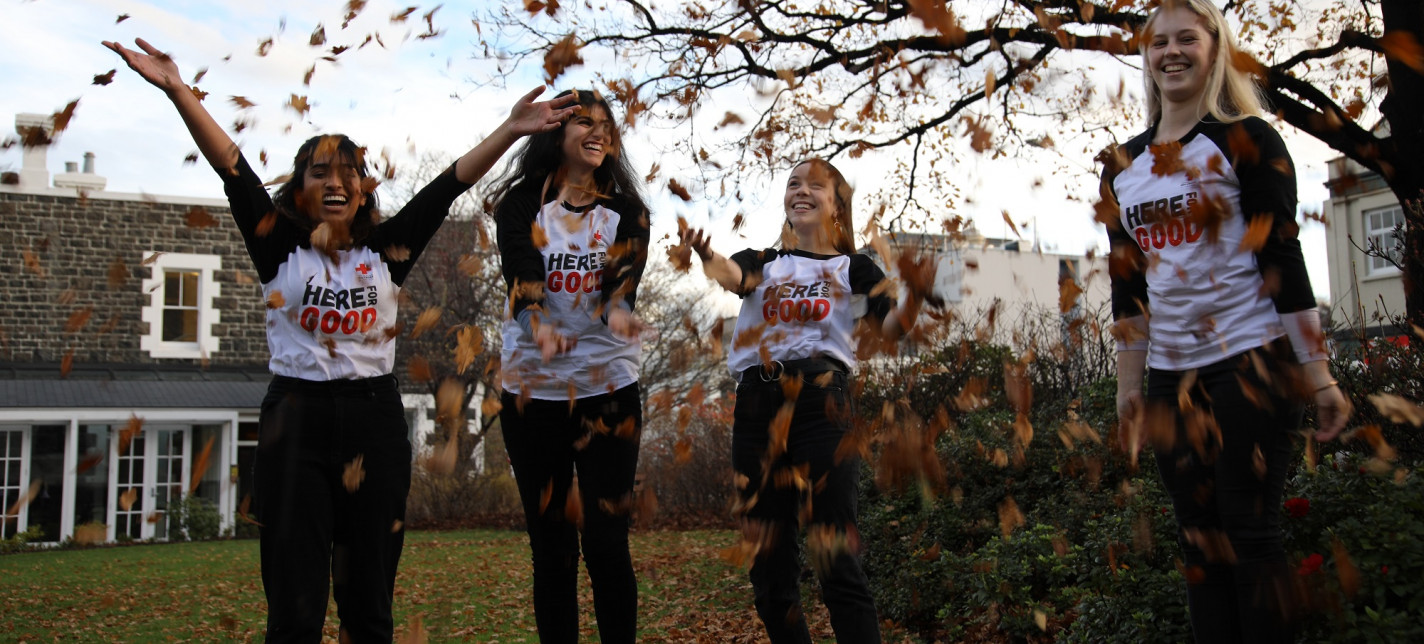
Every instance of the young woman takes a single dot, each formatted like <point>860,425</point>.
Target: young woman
<point>1234,342</point>
<point>802,308</point>
<point>330,285</point>
<point>573,232</point>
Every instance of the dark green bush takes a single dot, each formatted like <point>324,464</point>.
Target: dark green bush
<point>194,519</point>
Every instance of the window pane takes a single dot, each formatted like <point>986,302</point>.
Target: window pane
<point>190,289</point>
<point>15,443</point>
<point>47,465</point>
<point>190,326</point>
<point>91,487</point>
<point>180,325</point>
<point>172,288</point>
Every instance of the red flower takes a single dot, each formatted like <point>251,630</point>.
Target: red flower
<point>1297,507</point>
<point>1384,570</point>
<point>1310,564</point>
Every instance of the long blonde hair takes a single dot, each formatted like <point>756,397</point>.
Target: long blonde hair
<point>1230,94</point>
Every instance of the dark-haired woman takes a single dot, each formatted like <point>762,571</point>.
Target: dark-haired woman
<point>803,304</point>
<point>572,231</point>
<point>1225,329</point>
<point>331,274</point>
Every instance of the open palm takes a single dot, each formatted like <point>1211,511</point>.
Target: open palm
<point>529,117</point>
<point>153,65</point>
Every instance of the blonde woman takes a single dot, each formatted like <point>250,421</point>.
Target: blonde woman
<point>1233,347</point>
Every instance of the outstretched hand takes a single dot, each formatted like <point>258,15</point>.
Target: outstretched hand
<point>699,241</point>
<point>153,65</point>
<point>529,117</point>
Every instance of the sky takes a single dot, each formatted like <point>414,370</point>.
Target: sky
<point>427,96</point>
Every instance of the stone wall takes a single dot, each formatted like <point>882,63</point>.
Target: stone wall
<point>73,246</point>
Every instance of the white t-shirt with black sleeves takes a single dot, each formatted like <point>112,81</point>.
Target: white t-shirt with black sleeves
<point>806,306</point>
<point>1207,296</point>
<point>331,318</point>
<point>593,259</point>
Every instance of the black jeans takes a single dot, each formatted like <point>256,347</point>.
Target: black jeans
<point>1225,470</point>
<point>315,533</point>
<point>546,441</point>
<point>804,479</point>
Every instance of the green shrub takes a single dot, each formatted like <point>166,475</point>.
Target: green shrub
<point>20,541</point>
<point>194,519</point>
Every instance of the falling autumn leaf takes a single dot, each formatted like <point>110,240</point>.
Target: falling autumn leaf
<point>198,217</point>
<point>678,190</point>
<point>24,499</point>
<point>1398,409</point>
<point>1402,46</point>
<point>105,78</point>
<point>1257,232</point>
<point>354,473</point>
<point>427,321</point>
<point>561,56</point>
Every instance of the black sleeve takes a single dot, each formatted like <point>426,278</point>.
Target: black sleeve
<point>865,279</point>
<point>1126,263</point>
<point>628,255</point>
<point>521,262</point>
<point>250,205</point>
<point>418,220</point>
<point>1267,176</point>
<point>751,262</point>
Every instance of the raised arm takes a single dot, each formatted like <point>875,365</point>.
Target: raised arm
<point>159,70</point>
<point>727,273</point>
<point>525,119</point>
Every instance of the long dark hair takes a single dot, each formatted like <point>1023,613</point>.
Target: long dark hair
<point>322,145</point>
<point>542,155</point>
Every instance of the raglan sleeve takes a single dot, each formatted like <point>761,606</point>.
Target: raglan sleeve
<point>267,236</point>
<point>521,261</point>
<point>417,222</point>
<point>868,280</point>
<point>751,261</point>
<point>1268,189</point>
<point>627,257</point>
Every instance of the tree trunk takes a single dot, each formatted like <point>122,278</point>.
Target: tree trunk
<point>1404,150</point>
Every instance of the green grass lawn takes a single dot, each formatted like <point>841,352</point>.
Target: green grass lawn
<point>460,586</point>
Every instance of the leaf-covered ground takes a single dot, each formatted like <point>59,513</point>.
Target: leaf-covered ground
<point>453,586</point>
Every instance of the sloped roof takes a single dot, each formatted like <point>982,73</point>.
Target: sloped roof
<point>123,386</point>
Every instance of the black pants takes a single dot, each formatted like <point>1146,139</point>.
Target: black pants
<point>315,532</point>
<point>1225,470</point>
<point>547,441</point>
<point>779,489</point>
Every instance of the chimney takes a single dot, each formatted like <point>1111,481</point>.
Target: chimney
<point>86,181</point>
<point>33,173</point>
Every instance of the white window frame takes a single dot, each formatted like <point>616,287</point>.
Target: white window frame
<point>1383,237</point>
<point>208,316</point>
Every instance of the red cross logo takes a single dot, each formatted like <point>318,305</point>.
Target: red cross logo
<point>363,269</point>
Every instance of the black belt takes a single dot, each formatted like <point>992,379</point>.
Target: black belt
<point>342,387</point>
<point>774,370</point>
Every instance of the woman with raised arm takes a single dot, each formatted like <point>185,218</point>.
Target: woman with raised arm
<point>803,307</point>
<point>331,271</point>
<point>572,231</point>
<point>1204,247</point>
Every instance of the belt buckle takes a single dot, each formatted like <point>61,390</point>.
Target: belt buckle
<point>780,369</point>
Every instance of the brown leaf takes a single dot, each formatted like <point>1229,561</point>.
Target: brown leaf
<point>241,102</point>
<point>32,262</point>
<point>469,345</point>
<point>561,56</point>
<point>88,462</point>
<point>118,273</point>
<point>538,237</point>
<point>427,321</point>
<point>105,78</point>
<point>1401,45</point>
<point>1256,233</point>
<point>275,300</point>
<point>1398,409</point>
<point>1167,159</point>
<point>66,364</point>
<point>198,217</point>
<point>122,17</point>
<point>1010,517</point>
<point>264,226</point>
<point>396,253</point>
<point>677,189</point>
<point>128,432</point>
<point>318,36</point>
<point>419,369</point>
<point>1345,569</point>
<point>1068,292</point>
<point>354,474</point>
<point>299,104</point>
<point>24,499</point>
<point>126,500</point>
<point>200,465</point>
<point>78,319</point>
